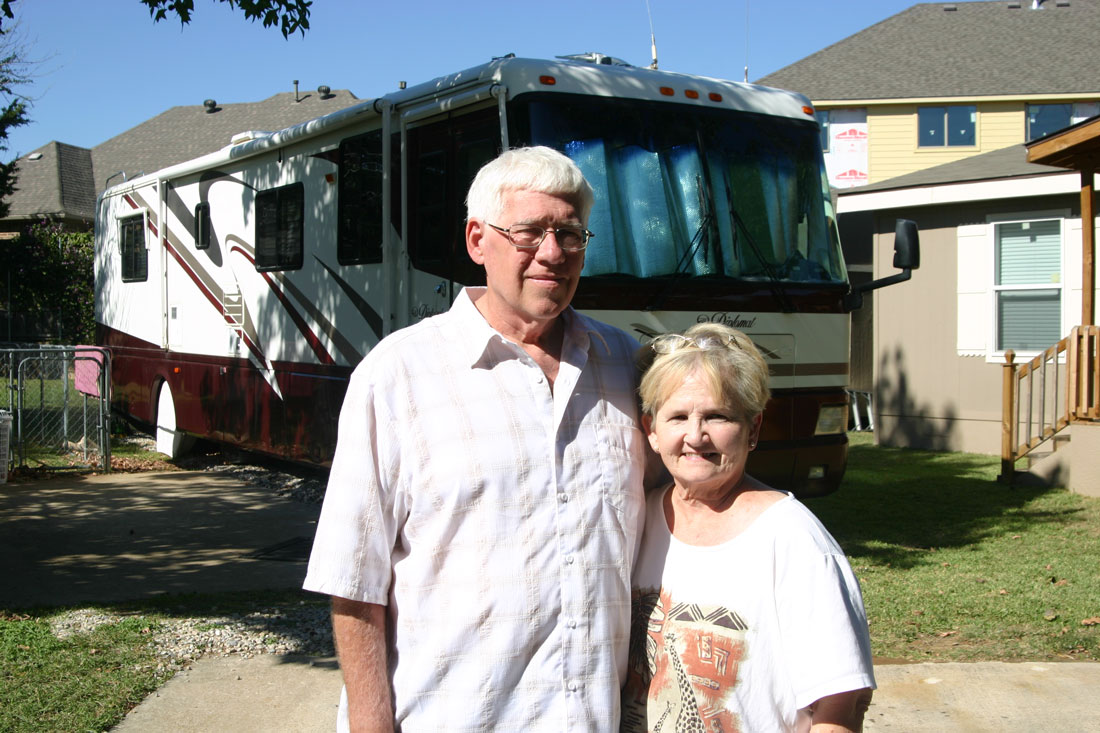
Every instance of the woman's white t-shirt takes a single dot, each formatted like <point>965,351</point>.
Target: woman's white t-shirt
<point>744,635</point>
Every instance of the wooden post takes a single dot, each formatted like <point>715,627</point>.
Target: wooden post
<point>1008,418</point>
<point>1088,248</point>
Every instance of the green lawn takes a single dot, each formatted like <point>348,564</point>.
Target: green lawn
<point>955,566</point>
<point>85,683</point>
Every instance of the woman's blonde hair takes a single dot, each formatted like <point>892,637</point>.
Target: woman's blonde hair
<point>725,359</point>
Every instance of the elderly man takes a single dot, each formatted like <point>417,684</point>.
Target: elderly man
<point>485,501</point>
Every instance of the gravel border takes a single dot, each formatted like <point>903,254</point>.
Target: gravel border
<point>300,629</point>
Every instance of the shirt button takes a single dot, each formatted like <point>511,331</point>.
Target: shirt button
<point>563,497</point>
<point>572,623</point>
<point>568,559</point>
<point>572,686</point>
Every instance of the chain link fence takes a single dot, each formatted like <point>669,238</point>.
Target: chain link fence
<point>59,401</point>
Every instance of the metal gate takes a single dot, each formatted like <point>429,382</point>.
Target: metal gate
<point>59,397</point>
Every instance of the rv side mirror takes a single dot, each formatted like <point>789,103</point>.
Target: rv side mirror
<point>906,245</point>
<point>906,259</point>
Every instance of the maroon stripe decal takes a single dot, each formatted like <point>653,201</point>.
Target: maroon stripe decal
<point>311,338</point>
<point>214,301</point>
<point>135,205</point>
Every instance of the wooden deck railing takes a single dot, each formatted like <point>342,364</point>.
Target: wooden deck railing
<point>1043,396</point>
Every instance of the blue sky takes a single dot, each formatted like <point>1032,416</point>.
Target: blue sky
<point>104,66</point>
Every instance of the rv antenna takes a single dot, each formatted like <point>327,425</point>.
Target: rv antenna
<point>746,41</point>
<point>652,37</point>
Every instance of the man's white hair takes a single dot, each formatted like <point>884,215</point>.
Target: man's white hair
<point>539,169</point>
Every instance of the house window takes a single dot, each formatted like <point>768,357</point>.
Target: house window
<point>823,119</point>
<point>279,219</point>
<point>951,126</point>
<point>1044,119</point>
<point>1027,284</point>
<point>135,255</point>
<point>202,226</point>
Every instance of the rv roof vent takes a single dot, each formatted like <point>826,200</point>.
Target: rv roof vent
<point>247,135</point>
<point>1062,4</point>
<point>950,8</point>
<point>324,91</point>
<point>211,106</point>
<point>1014,6</point>
<point>593,57</point>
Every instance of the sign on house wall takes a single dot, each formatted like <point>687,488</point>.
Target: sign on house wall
<point>846,155</point>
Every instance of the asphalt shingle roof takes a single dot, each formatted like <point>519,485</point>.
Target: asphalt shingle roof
<point>184,133</point>
<point>961,49</point>
<point>66,179</point>
<point>54,181</point>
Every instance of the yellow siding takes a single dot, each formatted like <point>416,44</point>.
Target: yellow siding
<point>892,138</point>
<point>1000,124</point>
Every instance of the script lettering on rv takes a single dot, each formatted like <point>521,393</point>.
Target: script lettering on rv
<point>423,310</point>
<point>729,319</point>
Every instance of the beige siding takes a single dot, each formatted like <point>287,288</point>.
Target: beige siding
<point>926,395</point>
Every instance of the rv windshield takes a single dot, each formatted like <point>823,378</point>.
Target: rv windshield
<point>683,190</point>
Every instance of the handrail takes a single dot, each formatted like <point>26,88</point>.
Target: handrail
<point>1068,391</point>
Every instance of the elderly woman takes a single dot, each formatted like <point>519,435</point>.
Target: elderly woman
<point>747,616</point>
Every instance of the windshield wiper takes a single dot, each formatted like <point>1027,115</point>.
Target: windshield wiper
<point>779,292</point>
<point>700,238</point>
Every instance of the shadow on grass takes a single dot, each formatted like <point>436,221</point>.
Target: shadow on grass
<point>895,503</point>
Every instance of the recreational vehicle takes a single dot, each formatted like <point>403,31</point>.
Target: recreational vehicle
<point>237,291</point>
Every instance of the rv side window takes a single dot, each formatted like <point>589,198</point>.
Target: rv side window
<point>131,242</point>
<point>444,157</point>
<point>279,215</point>
<point>202,226</point>
<point>359,200</point>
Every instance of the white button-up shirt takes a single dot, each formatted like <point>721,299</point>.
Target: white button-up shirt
<point>496,519</point>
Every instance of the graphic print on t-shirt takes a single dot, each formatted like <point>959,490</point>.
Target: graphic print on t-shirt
<point>684,659</point>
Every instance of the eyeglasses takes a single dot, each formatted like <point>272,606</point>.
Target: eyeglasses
<point>529,236</point>
<point>669,342</point>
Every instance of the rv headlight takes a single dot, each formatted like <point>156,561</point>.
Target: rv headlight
<point>831,419</point>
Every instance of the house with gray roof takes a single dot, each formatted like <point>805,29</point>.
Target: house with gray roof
<point>940,82</point>
<point>53,182</point>
<point>60,182</point>
<point>1002,275</point>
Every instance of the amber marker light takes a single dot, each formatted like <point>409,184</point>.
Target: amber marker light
<point>691,94</point>
<point>668,91</point>
<point>808,110</point>
<point>175,370</point>
<point>715,97</point>
<point>547,80</point>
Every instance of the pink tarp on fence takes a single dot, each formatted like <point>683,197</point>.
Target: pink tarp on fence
<point>86,370</point>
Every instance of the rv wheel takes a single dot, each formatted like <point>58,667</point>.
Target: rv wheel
<point>170,441</point>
